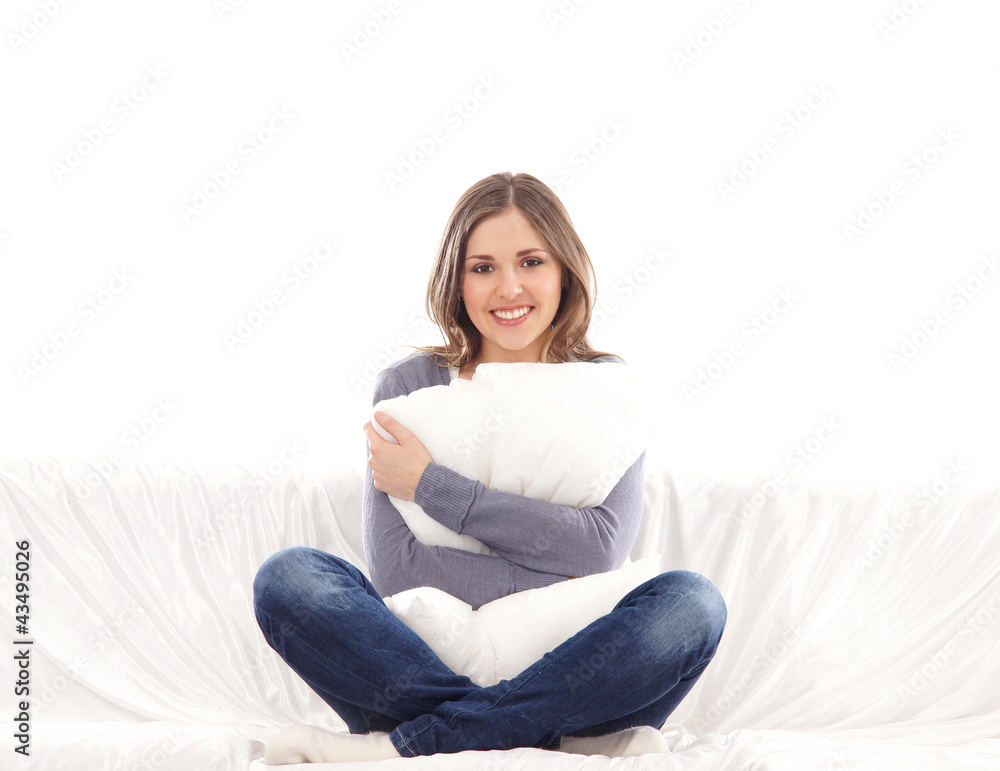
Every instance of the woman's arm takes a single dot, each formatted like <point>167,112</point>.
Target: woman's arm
<point>537,534</point>
<point>397,561</point>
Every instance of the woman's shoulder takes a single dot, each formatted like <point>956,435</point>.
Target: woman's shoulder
<point>417,369</point>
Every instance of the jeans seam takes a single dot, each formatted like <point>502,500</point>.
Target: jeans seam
<point>403,740</point>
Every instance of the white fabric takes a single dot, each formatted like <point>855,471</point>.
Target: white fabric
<point>562,433</point>
<point>863,630</point>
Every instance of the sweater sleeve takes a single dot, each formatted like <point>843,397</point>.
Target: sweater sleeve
<point>397,561</point>
<point>537,534</point>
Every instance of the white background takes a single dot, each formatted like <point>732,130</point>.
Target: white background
<point>668,99</point>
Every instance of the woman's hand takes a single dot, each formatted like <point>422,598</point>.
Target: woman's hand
<point>396,468</point>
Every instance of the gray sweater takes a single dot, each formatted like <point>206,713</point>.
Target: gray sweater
<point>537,543</point>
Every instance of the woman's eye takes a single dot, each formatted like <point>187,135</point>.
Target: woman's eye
<point>484,265</point>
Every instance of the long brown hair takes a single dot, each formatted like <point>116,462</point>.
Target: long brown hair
<point>566,339</point>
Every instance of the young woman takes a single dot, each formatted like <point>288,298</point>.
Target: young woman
<point>511,283</point>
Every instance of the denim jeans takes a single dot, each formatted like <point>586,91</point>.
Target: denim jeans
<point>630,667</point>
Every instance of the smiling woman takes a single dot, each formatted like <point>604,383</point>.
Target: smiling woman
<point>510,244</point>
<point>511,284</point>
<point>525,279</point>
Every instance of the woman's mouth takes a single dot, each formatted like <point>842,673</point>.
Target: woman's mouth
<point>517,319</point>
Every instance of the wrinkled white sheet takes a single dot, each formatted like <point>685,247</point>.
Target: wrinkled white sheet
<point>863,632</point>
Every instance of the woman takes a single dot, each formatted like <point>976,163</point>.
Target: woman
<point>511,248</point>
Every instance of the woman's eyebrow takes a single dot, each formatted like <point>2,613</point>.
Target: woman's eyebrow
<point>521,253</point>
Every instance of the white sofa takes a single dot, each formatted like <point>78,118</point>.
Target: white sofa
<point>863,631</point>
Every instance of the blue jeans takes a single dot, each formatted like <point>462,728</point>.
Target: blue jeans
<point>630,667</point>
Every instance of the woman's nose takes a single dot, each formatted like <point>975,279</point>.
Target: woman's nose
<point>509,286</point>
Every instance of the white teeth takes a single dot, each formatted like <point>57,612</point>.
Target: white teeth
<point>511,314</point>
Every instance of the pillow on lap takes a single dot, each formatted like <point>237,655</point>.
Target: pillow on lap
<point>504,637</point>
<point>562,433</point>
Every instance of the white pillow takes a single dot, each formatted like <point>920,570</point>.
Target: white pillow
<point>504,637</point>
<point>563,433</point>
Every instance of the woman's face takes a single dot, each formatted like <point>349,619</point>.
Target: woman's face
<point>507,265</point>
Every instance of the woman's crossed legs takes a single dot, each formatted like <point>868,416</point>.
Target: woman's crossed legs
<point>631,667</point>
